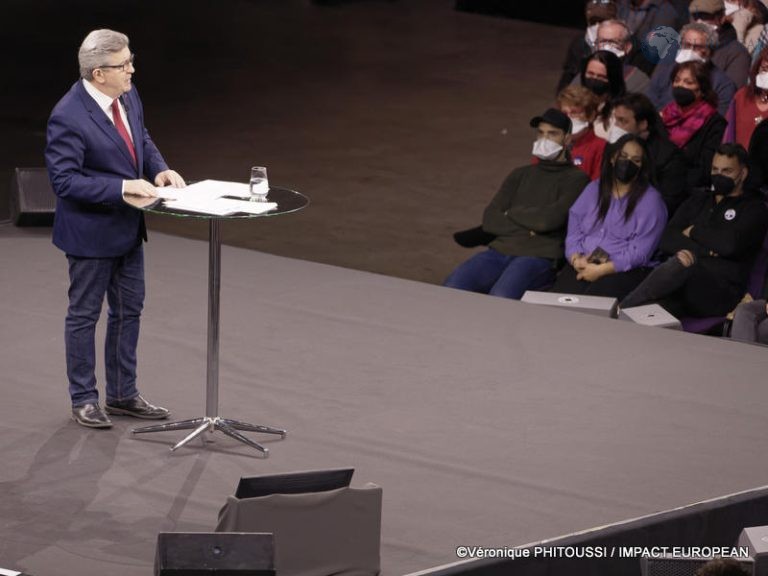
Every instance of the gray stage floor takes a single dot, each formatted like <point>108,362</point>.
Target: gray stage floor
<point>486,421</point>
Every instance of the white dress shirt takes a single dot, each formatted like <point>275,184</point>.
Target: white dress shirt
<point>105,103</point>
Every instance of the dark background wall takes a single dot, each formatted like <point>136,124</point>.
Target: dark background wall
<point>399,118</point>
<point>38,43</point>
<point>38,57</point>
<point>558,12</point>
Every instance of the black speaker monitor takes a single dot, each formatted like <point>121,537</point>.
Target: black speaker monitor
<point>294,483</point>
<point>33,202</point>
<point>215,554</point>
<point>674,565</point>
<point>755,538</point>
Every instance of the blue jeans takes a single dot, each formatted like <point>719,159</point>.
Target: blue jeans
<point>491,272</point>
<point>122,280</point>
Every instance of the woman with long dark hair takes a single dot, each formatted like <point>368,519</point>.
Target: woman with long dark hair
<point>692,120</point>
<point>614,226</point>
<point>603,74</point>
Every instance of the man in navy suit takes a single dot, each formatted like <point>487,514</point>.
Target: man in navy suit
<point>97,152</point>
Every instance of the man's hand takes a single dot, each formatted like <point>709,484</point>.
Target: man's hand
<point>139,188</point>
<point>169,178</point>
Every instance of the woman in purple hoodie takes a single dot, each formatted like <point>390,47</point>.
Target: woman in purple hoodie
<point>614,226</point>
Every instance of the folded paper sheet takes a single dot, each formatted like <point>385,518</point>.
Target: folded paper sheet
<point>214,197</point>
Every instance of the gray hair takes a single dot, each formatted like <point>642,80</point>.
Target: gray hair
<point>701,28</point>
<point>96,48</point>
<point>616,22</point>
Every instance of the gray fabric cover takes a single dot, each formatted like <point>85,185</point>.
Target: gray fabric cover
<point>316,534</point>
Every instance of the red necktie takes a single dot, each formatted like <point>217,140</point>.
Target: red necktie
<point>121,129</point>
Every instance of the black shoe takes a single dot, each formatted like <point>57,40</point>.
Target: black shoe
<point>91,415</point>
<point>139,408</point>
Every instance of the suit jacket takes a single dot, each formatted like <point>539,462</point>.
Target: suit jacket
<point>87,161</point>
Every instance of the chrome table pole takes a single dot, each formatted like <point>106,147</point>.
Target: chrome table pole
<point>211,421</point>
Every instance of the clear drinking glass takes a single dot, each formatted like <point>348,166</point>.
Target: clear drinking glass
<point>259,185</point>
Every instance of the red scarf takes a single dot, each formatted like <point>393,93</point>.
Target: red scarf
<point>683,124</point>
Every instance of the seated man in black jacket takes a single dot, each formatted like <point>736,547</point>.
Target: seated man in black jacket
<point>635,113</point>
<point>711,242</point>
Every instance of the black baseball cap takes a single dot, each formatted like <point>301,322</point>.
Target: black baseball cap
<point>554,117</point>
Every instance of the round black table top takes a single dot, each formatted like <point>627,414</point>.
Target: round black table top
<point>287,201</point>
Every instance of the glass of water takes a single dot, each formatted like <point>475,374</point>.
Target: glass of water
<point>259,185</point>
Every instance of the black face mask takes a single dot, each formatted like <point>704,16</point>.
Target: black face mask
<point>599,87</point>
<point>683,96</point>
<point>625,170</point>
<point>722,185</point>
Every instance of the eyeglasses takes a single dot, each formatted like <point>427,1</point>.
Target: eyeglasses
<point>695,47</point>
<point>123,65</point>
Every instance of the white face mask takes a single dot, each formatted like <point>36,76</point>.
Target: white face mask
<point>546,149</point>
<point>612,48</point>
<point>578,125</point>
<point>615,132</point>
<point>761,80</point>
<point>591,35</point>
<point>687,55</point>
<point>731,7</point>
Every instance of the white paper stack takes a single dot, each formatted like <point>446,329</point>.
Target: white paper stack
<point>207,197</point>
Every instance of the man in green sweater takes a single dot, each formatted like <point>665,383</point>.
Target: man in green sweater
<point>528,218</point>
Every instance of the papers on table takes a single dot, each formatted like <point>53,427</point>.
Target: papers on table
<point>221,206</point>
<point>207,197</point>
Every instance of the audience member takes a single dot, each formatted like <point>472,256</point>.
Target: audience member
<point>692,121</point>
<point>602,74</point>
<point>696,44</point>
<point>747,17</point>
<point>758,156</point>
<point>614,226</point>
<point>729,54</point>
<point>614,36</point>
<point>528,218</point>
<point>583,45</point>
<point>681,7</point>
<point>750,105</point>
<point>643,17</point>
<point>635,114</point>
<point>750,322</point>
<point>711,242</point>
<point>586,148</point>
<point>722,567</point>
